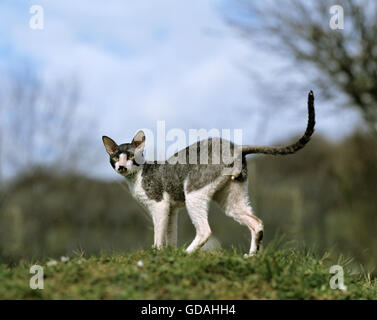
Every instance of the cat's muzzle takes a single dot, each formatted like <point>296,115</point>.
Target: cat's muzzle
<point>122,169</point>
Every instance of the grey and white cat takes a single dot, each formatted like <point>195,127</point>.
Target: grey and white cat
<point>163,188</point>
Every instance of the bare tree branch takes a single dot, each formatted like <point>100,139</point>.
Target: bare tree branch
<point>344,60</point>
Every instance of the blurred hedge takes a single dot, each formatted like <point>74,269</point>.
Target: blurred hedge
<point>325,195</point>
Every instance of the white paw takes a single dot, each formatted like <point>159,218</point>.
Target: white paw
<point>190,250</point>
<point>248,255</point>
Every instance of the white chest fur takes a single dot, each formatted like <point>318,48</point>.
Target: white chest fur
<point>136,188</point>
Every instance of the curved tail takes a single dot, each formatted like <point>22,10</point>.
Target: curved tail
<point>293,147</point>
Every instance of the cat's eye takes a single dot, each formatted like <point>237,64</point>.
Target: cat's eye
<point>115,159</point>
<point>131,157</point>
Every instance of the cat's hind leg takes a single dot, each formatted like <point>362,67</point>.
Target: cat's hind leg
<point>234,200</point>
<point>198,212</point>
<point>197,204</point>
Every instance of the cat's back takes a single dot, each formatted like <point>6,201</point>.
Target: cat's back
<point>206,151</point>
<point>192,168</point>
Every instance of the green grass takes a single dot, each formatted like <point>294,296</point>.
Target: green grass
<point>172,274</point>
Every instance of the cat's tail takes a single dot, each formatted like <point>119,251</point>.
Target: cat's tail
<point>293,147</point>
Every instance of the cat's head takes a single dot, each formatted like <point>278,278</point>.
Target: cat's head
<point>127,157</point>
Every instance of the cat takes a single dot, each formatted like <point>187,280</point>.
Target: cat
<point>163,188</point>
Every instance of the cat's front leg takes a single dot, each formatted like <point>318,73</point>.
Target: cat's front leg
<point>160,216</point>
<point>171,235</point>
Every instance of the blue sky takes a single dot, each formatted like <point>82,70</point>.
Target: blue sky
<point>142,61</point>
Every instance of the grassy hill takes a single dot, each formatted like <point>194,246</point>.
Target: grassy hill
<point>172,274</point>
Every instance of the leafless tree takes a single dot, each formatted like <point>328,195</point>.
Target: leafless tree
<point>39,124</point>
<point>336,60</point>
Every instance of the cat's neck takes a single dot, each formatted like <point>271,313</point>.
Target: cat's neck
<point>133,182</point>
<point>132,177</point>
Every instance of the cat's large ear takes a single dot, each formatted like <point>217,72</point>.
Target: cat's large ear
<point>139,141</point>
<point>109,144</point>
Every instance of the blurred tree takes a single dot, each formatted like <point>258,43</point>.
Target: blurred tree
<point>39,124</point>
<point>340,60</point>
<point>39,127</point>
